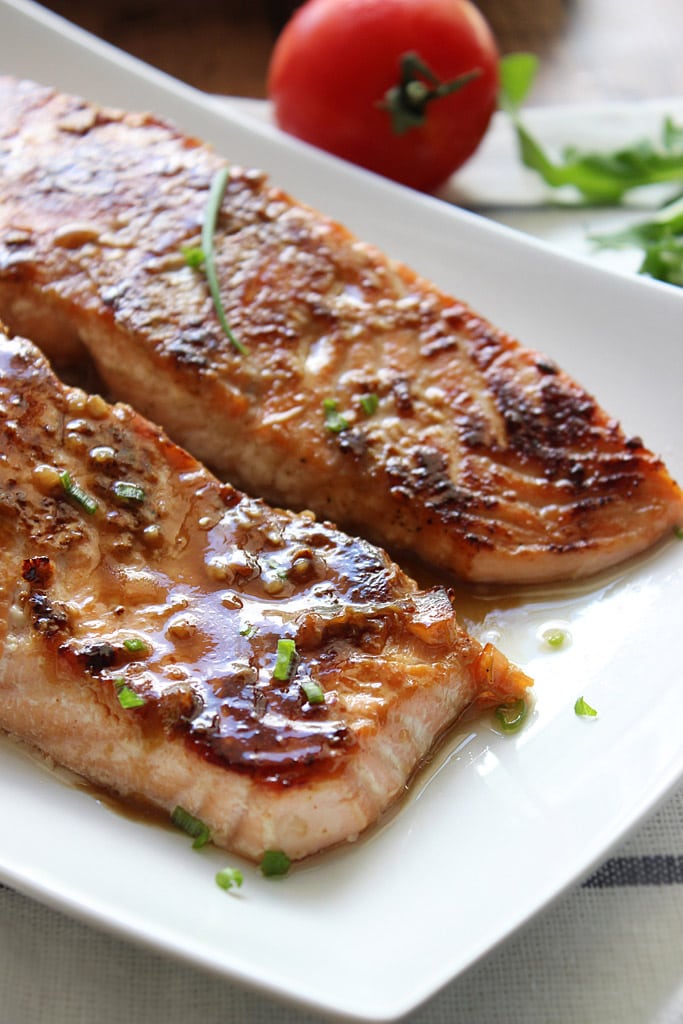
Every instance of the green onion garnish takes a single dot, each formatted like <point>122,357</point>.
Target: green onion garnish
<point>193,256</point>
<point>286,657</point>
<point>77,493</point>
<point>213,205</point>
<point>369,404</point>
<point>192,826</point>
<point>274,862</point>
<point>249,630</point>
<point>334,420</point>
<point>678,531</point>
<point>555,637</point>
<point>229,877</point>
<point>135,644</point>
<point>584,710</point>
<point>511,716</point>
<point>126,491</point>
<point>127,698</point>
<point>313,691</point>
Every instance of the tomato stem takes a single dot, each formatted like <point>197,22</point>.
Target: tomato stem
<point>407,102</point>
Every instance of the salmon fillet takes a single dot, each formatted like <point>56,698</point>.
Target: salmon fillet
<point>169,638</point>
<point>481,457</point>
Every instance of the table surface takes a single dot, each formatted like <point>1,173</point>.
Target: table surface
<point>589,49</point>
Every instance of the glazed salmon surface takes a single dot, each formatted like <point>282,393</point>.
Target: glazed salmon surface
<point>143,609</point>
<point>482,457</point>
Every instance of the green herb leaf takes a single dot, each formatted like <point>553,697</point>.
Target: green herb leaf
<point>126,491</point>
<point>517,74</point>
<point>664,262</point>
<point>334,420</point>
<point>228,877</point>
<point>584,710</point>
<point>76,492</point>
<point>661,240</point>
<point>678,532</point>
<point>127,698</point>
<point>193,255</point>
<point>213,205</point>
<point>672,133</point>
<point>369,404</point>
<point>666,223</point>
<point>285,661</point>
<point>313,691</point>
<point>193,827</point>
<point>511,716</point>
<point>599,177</point>
<point>274,863</point>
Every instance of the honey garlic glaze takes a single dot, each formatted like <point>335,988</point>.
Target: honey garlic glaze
<point>131,576</point>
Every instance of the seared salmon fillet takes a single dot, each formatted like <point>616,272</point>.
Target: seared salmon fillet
<point>364,393</point>
<point>169,638</point>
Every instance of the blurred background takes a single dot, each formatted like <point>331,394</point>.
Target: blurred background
<point>589,49</point>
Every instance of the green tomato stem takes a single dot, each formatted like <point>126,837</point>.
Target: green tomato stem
<point>407,102</point>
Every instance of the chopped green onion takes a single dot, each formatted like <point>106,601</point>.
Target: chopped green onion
<point>127,698</point>
<point>193,827</point>
<point>279,572</point>
<point>334,420</point>
<point>286,658</point>
<point>229,877</point>
<point>76,492</point>
<point>249,630</point>
<point>135,644</point>
<point>369,404</point>
<point>678,532</point>
<point>126,491</point>
<point>313,691</point>
<point>213,205</point>
<point>555,637</point>
<point>193,256</point>
<point>584,710</point>
<point>274,862</point>
<point>511,716</point>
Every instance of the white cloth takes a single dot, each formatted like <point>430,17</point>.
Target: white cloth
<point>608,951</point>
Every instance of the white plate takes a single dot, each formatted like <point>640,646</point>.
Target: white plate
<point>504,824</point>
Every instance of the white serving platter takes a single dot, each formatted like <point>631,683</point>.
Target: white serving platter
<point>500,825</point>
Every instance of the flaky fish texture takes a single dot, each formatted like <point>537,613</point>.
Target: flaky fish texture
<point>177,642</point>
<point>481,457</point>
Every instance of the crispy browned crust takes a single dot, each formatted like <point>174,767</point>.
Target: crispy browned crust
<point>206,582</point>
<point>483,457</point>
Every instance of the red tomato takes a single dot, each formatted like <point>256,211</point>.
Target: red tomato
<point>336,60</point>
